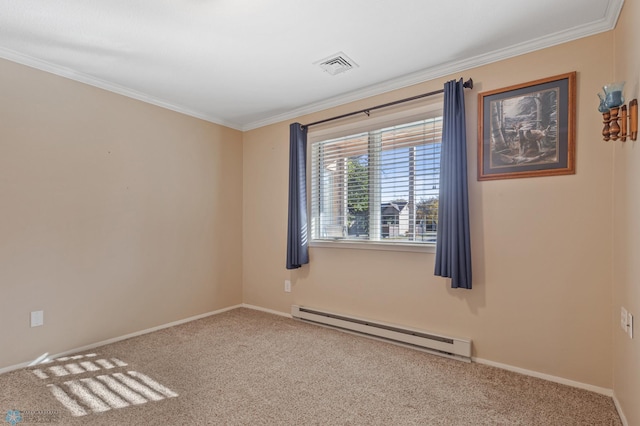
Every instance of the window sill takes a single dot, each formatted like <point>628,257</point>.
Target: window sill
<point>372,245</point>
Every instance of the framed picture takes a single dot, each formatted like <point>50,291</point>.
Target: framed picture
<point>527,130</point>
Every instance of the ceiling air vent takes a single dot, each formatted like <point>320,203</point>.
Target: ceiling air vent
<point>336,64</point>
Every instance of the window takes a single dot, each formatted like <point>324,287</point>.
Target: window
<point>379,185</point>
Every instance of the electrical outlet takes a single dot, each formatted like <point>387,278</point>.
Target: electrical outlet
<point>37,318</point>
<point>623,319</point>
<point>630,325</point>
<point>287,286</point>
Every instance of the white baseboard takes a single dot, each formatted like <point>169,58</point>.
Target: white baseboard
<point>555,379</point>
<point>14,367</point>
<point>563,381</point>
<point>47,357</point>
<point>269,311</point>
<point>592,388</point>
<point>619,410</point>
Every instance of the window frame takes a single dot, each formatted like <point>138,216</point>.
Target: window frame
<point>431,109</point>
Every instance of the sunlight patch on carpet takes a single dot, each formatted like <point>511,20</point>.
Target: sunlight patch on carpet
<point>95,392</point>
<point>73,368</point>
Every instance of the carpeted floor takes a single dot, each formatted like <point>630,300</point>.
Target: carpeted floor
<point>246,367</point>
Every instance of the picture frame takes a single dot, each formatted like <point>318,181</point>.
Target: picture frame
<point>528,129</point>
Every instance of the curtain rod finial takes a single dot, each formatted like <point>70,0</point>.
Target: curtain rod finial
<point>468,84</point>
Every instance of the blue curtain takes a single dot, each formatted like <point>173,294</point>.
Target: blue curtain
<point>453,244</point>
<point>297,241</point>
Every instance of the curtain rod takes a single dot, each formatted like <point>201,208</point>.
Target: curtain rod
<point>467,84</point>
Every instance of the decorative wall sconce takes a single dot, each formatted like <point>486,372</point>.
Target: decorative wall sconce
<point>619,123</point>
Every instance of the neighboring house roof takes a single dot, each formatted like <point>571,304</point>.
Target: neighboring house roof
<point>392,208</point>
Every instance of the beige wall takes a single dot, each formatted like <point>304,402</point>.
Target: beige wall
<point>119,216</point>
<point>626,278</point>
<point>116,215</point>
<point>542,247</point>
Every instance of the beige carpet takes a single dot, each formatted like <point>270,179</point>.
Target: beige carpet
<point>245,367</point>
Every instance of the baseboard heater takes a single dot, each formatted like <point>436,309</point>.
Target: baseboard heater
<point>450,347</point>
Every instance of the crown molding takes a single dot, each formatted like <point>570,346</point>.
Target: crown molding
<point>605,24</point>
<point>71,74</point>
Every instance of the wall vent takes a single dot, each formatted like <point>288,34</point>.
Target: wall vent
<point>336,64</point>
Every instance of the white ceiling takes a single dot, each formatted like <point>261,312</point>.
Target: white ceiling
<point>248,63</point>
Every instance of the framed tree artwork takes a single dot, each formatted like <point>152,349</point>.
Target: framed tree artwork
<point>528,129</point>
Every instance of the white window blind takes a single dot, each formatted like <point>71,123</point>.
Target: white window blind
<point>380,185</point>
